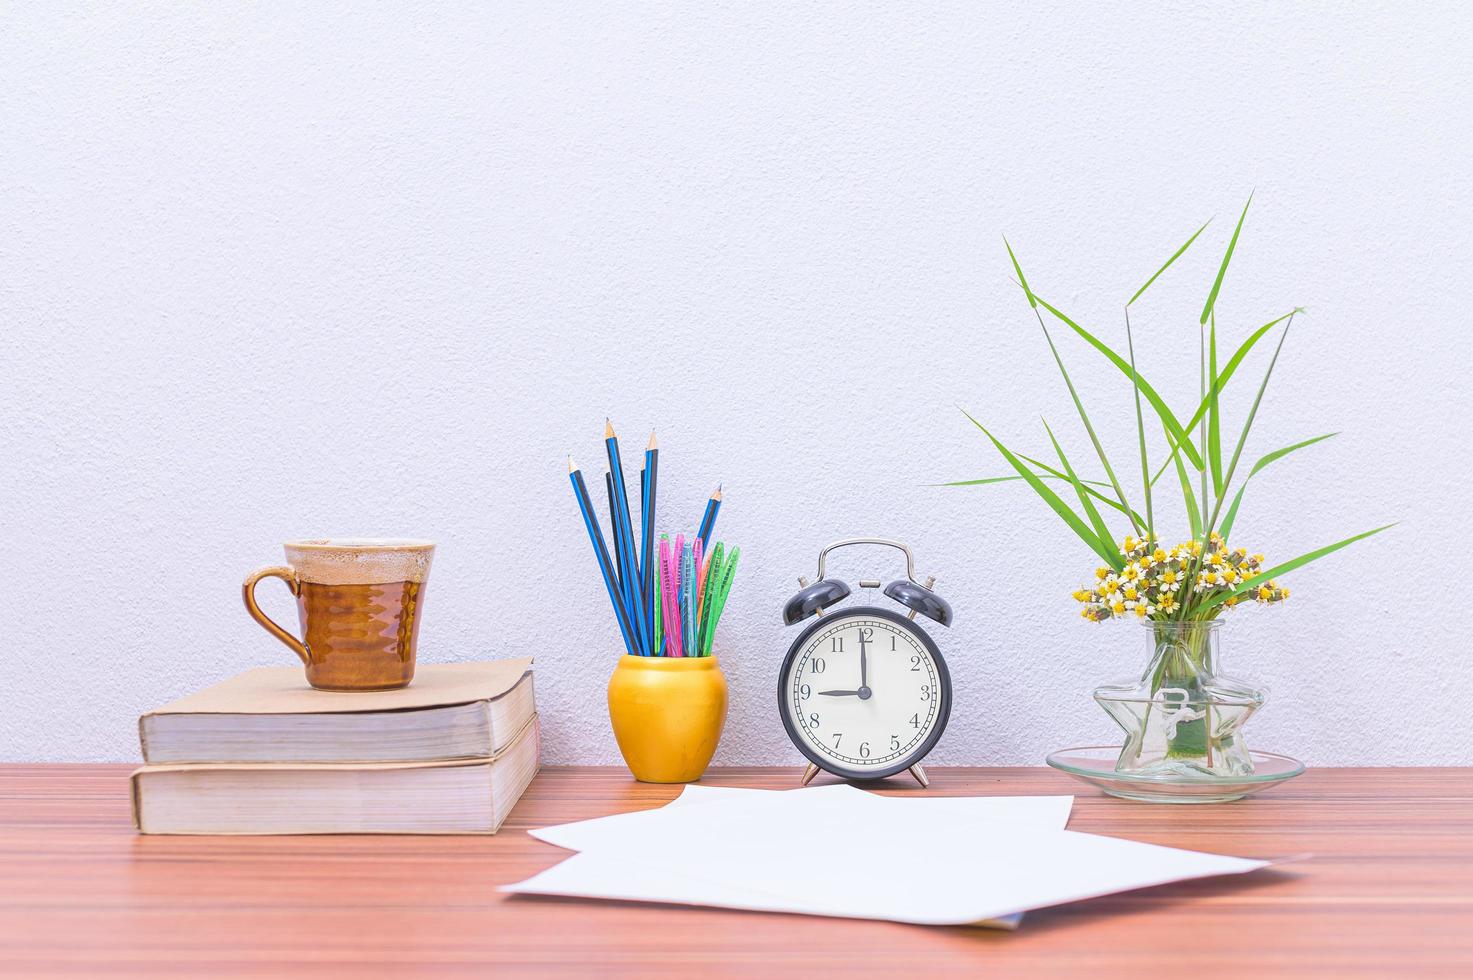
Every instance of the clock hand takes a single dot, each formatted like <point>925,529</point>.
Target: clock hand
<point>840,693</point>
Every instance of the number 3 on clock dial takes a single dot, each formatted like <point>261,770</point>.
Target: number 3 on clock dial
<point>864,692</point>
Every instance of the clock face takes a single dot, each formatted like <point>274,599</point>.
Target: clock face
<point>865,693</point>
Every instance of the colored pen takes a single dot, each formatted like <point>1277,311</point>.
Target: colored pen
<point>687,599</point>
<point>669,583</point>
<point>708,602</point>
<point>728,570</point>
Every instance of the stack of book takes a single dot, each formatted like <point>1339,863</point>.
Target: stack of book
<point>263,753</point>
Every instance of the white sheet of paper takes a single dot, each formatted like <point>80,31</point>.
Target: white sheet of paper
<point>599,838</point>
<point>989,880</point>
<point>788,806</point>
<point>583,834</point>
<point>848,857</point>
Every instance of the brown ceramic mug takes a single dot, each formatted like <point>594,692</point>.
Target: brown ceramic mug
<point>360,601</point>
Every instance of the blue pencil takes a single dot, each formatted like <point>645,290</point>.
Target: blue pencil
<point>624,541</point>
<point>649,560</point>
<point>580,490</point>
<point>708,520</point>
<point>623,573</point>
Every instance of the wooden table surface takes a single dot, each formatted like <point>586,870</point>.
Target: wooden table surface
<point>1389,890</point>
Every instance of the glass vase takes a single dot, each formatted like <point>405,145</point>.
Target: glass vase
<point>1183,718</point>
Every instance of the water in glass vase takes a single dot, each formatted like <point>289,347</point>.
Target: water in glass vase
<point>1182,717</point>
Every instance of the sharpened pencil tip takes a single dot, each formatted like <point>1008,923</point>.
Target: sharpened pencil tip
<point>608,428</point>
<point>653,444</point>
<point>716,494</point>
<point>572,466</point>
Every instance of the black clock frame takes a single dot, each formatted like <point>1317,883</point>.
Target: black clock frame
<point>943,711</point>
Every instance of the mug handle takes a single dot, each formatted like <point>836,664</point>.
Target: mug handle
<point>248,593</point>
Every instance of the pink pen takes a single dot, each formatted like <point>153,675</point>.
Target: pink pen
<point>670,607</point>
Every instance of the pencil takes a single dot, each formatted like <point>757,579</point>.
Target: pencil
<point>601,553</point>
<point>614,526</point>
<point>647,517</point>
<point>620,502</point>
<point>708,520</point>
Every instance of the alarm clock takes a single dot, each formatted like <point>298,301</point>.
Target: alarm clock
<point>864,692</point>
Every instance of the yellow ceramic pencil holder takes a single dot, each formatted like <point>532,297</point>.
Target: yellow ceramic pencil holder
<point>667,714</point>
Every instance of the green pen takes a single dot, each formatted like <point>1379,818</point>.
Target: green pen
<point>659,648</point>
<point>713,576</point>
<point>727,571</point>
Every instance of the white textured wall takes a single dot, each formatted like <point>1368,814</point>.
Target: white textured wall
<point>279,270</point>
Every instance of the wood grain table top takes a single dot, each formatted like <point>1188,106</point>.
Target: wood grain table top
<point>1389,891</point>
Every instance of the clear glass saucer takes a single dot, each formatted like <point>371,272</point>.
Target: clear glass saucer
<point>1095,765</point>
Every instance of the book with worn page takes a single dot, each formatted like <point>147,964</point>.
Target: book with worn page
<point>462,796</point>
<point>271,715</point>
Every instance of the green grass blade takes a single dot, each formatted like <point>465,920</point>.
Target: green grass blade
<point>1102,530</point>
<point>1222,380</point>
<point>1055,475</point>
<point>1069,382</point>
<point>1248,423</point>
<point>1250,584</point>
<point>1189,497</point>
<point>1088,425</point>
<point>1231,366</point>
<point>1022,279</point>
<point>1103,549</point>
<point>1134,517</point>
<point>1140,420</point>
<point>1277,454</point>
<point>1203,388</point>
<point>1222,271</point>
<point>978,483</point>
<point>1173,425</point>
<point>1214,431</point>
<point>1049,474</point>
<point>1174,256</point>
<point>1175,452</point>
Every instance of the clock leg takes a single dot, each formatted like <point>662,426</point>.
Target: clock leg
<point>920,775</point>
<point>810,772</point>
